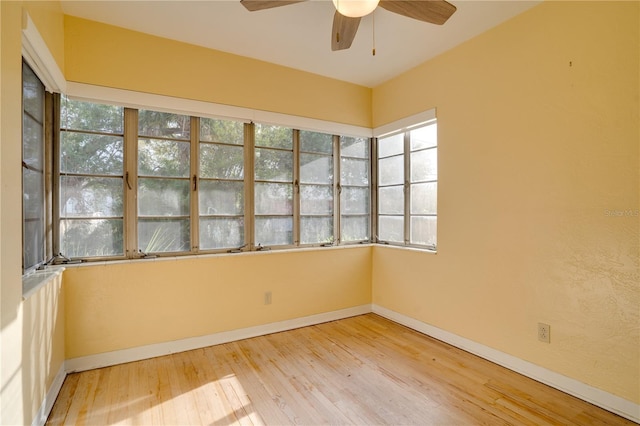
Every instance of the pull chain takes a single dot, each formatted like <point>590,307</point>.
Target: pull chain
<point>338,32</point>
<point>373,32</point>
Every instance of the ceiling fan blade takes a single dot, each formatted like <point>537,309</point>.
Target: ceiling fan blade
<point>343,31</point>
<point>433,11</point>
<point>253,5</point>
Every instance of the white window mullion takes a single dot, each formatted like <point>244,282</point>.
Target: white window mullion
<point>194,187</point>
<point>131,182</point>
<point>296,188</point>
<point>337,190</point>
<point>249,194</point>
<point>407,188</point>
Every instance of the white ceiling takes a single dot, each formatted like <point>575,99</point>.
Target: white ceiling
<point>299,35</point>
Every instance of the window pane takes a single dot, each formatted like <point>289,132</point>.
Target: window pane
<point>163,158</point>
<point>32,94</point>
<point>91,237</point>
<point>221,198</point>
<point>164,124</point>
<point>163,197</point>
<point>316,142</point>
<point>354,228</point>
<point>274,165</point>
<point>274,199</point>
<point>316,230</point>
<point>163,235</point>
<point>221,161</point>
<point>392,145</point>
<point>424,198</point>
<point>78,115</point>
<point>391,200</point>
<point>354,201</point>
<point>316,200</point>
<point>33,170</point>
<point>33,250</point>
<point>91,154</point>
<point>391,228</point>
<point>424,137</point>
<point>33,194</point>
<point>423,230</point>
<point>225,131</point>
<point>221,233</point>
<point>391,170</point>
<point>316,168</point>
<point>32,142</point>
<point>424,165</point>
<point>82,196</point>
<point>273,136</point>
<point>354,147</point>
<point>354,172</point>
<point>274,230</point>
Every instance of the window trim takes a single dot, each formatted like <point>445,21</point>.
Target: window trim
<point>163,103</point>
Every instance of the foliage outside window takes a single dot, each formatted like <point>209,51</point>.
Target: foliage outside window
<point>407,187</point>
<point>164,178</point>
<point>316,188</point>
<point>91,183</point>
<point>221,184</point>
<point>273,174</point>
<point>133,183</point>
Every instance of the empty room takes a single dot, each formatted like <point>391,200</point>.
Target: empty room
<point>320,212</point>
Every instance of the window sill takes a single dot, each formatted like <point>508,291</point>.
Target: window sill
<point>408,248</point>
<point>214,255</point>
<point>33,281</point>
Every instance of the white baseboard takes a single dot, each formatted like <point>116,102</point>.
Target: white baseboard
<point>150,351</point>
<point>566,384</point>
<point>43,413</point>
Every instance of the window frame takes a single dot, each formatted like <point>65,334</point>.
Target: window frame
<point>370,187</point>
<point>199,179</point>
<point>48,104</point>
<point>58,173</point>
<point>132,176</point>
<point>190,179</point>
<point>407,215</point>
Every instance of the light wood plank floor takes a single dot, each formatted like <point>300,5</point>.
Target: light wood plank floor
<point>361,370</point>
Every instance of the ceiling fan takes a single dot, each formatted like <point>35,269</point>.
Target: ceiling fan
<point>349,12</point>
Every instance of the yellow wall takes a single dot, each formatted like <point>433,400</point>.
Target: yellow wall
<point>109,56</point>
<point>539,134</point>
<point>43,342</point>
<point>119,306</point>
<point>538,192</point>
<point>31,339</point>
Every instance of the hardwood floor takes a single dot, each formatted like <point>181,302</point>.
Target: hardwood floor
<point>360,370</point>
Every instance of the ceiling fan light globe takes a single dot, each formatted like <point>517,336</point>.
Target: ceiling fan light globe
<point>355,8</point>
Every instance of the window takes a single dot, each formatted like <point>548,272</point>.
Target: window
<point>273,175</point>
<point>137,183</point>
<point>407,187</point>
<point>164,182</point>
<point>354,189</point>
<point>33,170</point>
<point>316,188</point>
<point>423,144</point>
<point>221,184</point>
<point>91,182</point>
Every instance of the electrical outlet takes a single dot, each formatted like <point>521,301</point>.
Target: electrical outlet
<point>544,332</point>
<point>267,298</point>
